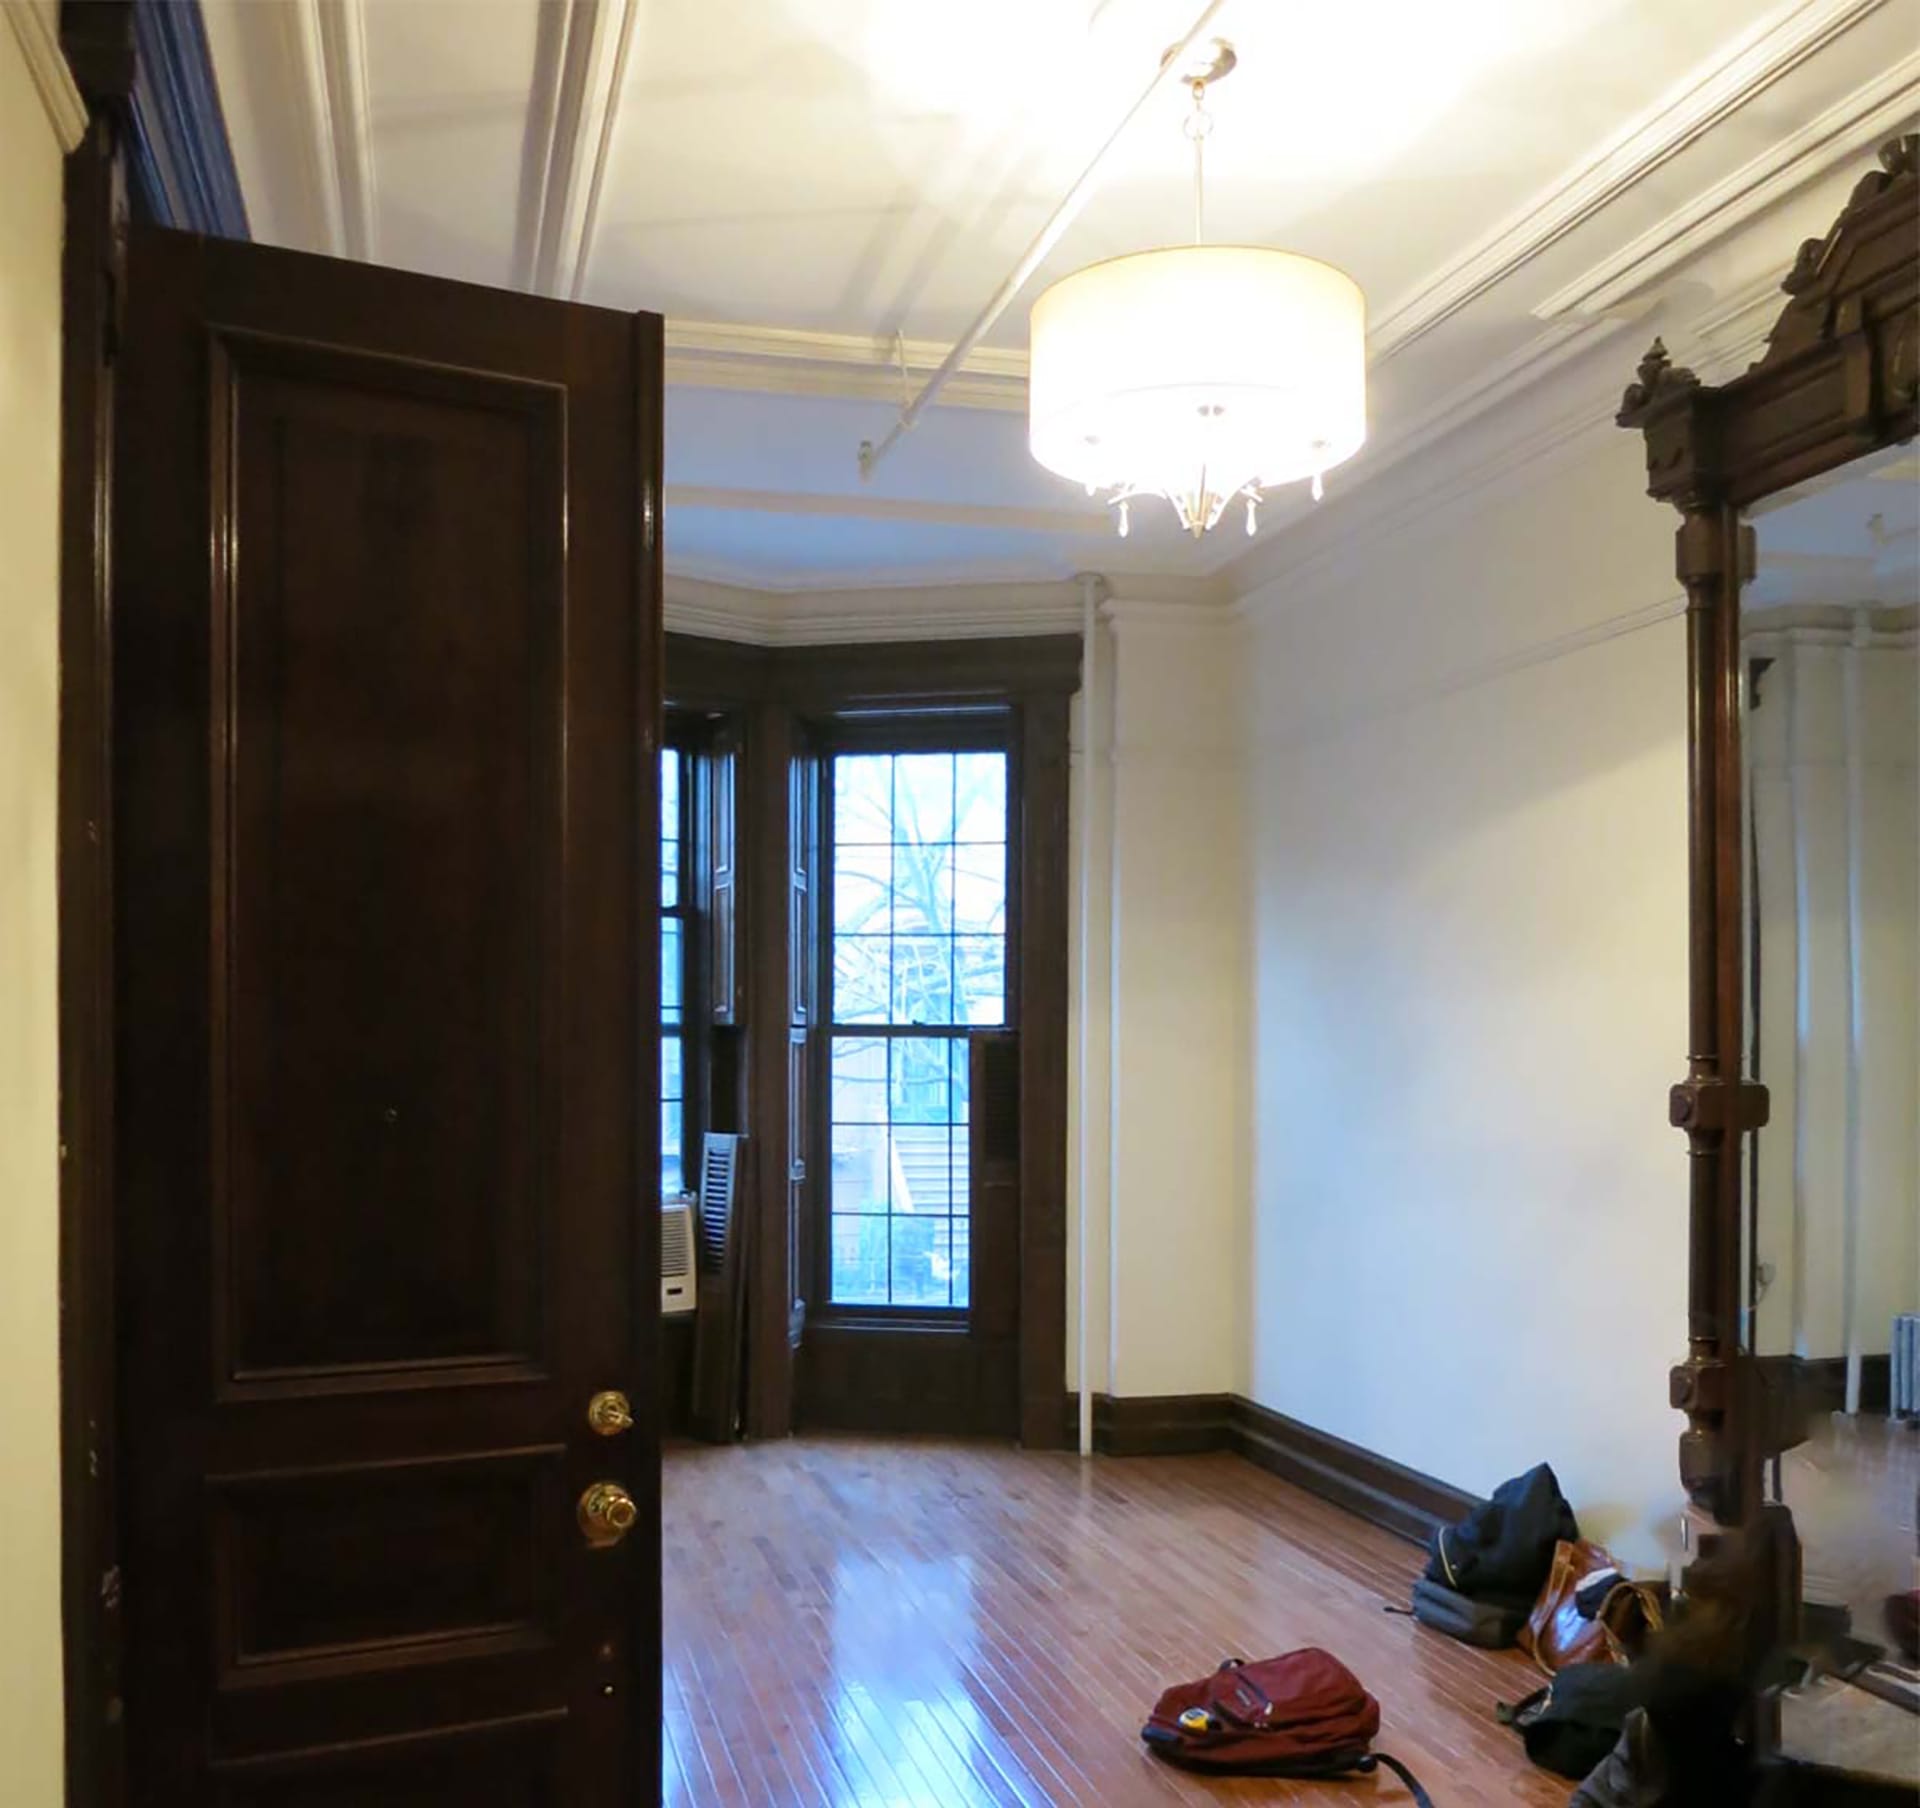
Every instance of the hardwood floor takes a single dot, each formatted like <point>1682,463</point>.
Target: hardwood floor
<point>856,1623</point>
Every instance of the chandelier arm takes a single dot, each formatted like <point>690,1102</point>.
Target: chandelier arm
<point>1036,253</point>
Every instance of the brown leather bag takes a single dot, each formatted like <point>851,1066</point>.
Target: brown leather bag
<point>1557,1633</point>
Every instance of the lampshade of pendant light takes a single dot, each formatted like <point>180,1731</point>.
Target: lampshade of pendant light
<point>1201,373</point>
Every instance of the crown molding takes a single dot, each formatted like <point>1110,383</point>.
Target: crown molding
<point>884,508</point>
<point>1563,418</point>
<point>1864,627</point>
<point>944,575</point>
<point>37,28</point>
<point>327,44</point>
<point>1520,371</point>
<point>1188,615</point>
<point>1861,121</point>
<point>1730,336</point>
<point>1297,735</point>
<point>783,361</point>
<point>960,575</point>
<point>1519,460</point>
<point>944,612</point>
<point>976,611</point>
<point>580,68</point>
<point>1739,71</point>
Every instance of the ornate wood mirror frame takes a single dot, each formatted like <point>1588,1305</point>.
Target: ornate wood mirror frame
<point>1840,378</point>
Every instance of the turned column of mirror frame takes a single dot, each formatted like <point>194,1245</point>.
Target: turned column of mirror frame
<point>1840,379</point>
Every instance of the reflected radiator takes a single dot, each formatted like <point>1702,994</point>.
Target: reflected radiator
<point>1905,1402</point>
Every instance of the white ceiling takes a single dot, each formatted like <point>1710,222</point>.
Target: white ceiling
<point>793,182</point>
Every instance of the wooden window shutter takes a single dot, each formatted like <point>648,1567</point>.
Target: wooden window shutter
<point>722,873</point>
<point>803,788</point>
<point>803,965</point>
<point>993,1137</point>
<point>720,1325</point>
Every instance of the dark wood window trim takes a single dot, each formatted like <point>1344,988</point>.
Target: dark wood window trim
<point>776,697</point>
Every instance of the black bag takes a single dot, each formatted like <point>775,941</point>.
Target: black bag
<point>1571,1726</point>
<point>1503,1551</point>
<point>1630,1774</point>
<point>1483,1623</point>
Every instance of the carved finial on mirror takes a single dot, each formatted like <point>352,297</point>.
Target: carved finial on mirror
<point>1658,376</point>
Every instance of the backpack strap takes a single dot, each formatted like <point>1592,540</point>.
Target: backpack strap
<point>1508,1713</point>
<point>1372,1759</point>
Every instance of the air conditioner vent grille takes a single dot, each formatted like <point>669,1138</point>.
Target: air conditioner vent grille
<point>676,1240</point>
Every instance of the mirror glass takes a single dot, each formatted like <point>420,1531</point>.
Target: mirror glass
<point>1832,749</point>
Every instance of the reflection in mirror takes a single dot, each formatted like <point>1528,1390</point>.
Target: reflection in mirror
<point>1832,745</point>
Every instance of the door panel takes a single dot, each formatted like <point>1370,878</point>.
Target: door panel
<point>387,938</point>
<point>387,678</point>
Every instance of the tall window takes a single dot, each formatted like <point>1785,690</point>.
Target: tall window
<point>918,873</point>
<point>674,942</point>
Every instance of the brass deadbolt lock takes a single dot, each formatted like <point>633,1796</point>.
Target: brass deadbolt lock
<point>609,1413</point>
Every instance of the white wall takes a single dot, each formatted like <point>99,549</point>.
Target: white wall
<point>1468,893</point>
<point>1167,1011</point>
<point>30,225</point>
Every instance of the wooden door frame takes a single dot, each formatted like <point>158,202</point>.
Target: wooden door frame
<point>154,148</point>
<point>770,688</point>
<point>98,43</point>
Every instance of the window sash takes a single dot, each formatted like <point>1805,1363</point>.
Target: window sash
<point>952,1230</point>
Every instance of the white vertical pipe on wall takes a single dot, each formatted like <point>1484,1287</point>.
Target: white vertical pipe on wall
<point>1853,716</point>
<point>1090,588</point>
<point>1798,809</point>
<point>1115,928</point>
<point>1750,1059</point>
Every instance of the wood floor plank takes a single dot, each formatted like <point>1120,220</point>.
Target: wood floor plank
<point>906,1623</point>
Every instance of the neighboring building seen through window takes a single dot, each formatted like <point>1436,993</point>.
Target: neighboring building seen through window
<point>917,851</point>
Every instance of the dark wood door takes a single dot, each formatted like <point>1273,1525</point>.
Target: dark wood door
<point>386,709</point>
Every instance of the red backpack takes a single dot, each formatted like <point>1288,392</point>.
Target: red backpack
<point>1302,1715</point>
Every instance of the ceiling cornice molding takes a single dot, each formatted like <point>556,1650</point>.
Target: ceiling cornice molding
<point>943,612</point>
<point>1167,614</point>
<point>1858,123</point>
<point>328,42</point>
<point>1738,72</point>
<point>1297,734</point>
<point>1511,377</point>
<point>1730,336</point>
<point>785,361</point>
<point>580,68</point>
<point>1280,570</point>
<point>929,611</point>
<point>36,25</point>
<point>887,508</point>
<point>1864,627</point>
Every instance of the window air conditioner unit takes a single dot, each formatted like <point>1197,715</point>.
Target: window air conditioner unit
<point>677,1284</point>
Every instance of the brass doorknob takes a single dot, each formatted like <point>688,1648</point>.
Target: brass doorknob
<point>607,1514</point>
<point>609,1413</point>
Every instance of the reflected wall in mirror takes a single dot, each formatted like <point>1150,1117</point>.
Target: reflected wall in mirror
<point>1830,655</point>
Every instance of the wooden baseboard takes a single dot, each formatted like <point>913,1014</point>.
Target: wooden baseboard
<point>1372,1487</point>
<point>1153,1425</point>
<point>1822,1380</point>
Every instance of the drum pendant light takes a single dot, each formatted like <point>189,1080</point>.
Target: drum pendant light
<point>1205,374</point>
